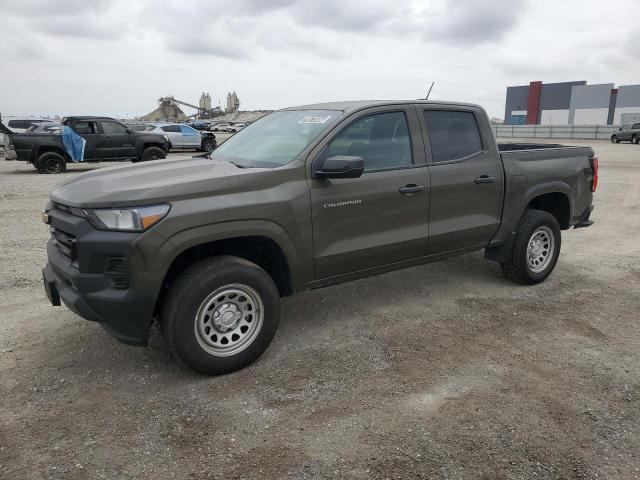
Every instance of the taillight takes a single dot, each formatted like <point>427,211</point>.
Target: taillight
<point>594,167</point>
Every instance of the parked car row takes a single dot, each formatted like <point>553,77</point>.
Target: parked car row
<point>104,140</point>
<point>228,127</point>
<point>627,133</point>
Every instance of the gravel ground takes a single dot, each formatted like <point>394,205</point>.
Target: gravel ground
<point>441,371</point>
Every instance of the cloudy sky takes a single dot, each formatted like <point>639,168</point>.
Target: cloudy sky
<point>117,57</point>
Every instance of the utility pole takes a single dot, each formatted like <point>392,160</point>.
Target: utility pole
<point>429,92</point>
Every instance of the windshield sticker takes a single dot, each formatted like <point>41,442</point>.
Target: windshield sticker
<point>315,119</point>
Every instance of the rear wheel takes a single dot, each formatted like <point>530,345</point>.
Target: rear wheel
<point>635,139</point>
<point>152,153</point>
<point>51,162</point>
<point>220,315</point>
<point>535,249</point>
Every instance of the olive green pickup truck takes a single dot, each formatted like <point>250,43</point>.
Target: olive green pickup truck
<point>303,198</point>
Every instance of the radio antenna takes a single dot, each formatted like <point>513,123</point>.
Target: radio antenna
<point>429,92</point>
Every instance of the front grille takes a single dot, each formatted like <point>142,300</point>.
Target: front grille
<point>65,243</point>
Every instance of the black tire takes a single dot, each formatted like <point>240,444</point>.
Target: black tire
<point>635,139</point>
<point>187,301</point>
<point>518,268</point>
<point>208,145</point>
<point>51,163</point>
<point>613,139</point>
<point>152,153</point>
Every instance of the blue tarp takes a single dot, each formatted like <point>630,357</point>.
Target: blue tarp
<point>73,144</point>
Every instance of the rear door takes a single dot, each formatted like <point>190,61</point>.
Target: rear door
<point>96,146</point>
<point>119,143</point>
<point>466,178</point>
<point>175,135</point>
<point>365,222</point>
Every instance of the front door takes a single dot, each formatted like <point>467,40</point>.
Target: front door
<point>190,137</point>
<point>381,217</point>
<point>119,141</point>
<point>466,179</point>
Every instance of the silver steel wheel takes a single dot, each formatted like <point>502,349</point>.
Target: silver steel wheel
<point>229,320</point>
<point>540,249</point>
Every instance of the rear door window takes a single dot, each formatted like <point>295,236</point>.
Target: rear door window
<point>453,135</point>
<point>86,128</point>
<point>171,128</point>
<point>636,126</point>
<point>18,124</point>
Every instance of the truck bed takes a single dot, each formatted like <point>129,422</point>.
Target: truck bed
<point>509,147</point>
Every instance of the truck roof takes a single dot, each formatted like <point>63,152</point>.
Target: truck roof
<point>352,105</point>
<point>87,117</point>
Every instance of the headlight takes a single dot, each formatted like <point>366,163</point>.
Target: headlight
<point>136,219</point>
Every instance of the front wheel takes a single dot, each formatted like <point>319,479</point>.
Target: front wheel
<point>220,314</point>
<point>208,145</point>
<point>535,250</point>
<point>635,139</point>
<point>152,153</point>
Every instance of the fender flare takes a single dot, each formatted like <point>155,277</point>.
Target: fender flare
<point>182,241</point>
<point>500,252</point>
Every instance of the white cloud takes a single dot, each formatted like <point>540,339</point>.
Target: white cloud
<point>116,57</point>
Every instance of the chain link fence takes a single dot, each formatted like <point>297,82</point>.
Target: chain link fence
<point>588,132</point>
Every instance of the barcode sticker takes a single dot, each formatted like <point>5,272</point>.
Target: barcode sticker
<point>315,119</point>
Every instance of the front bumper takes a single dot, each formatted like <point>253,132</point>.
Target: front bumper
<point>85,289</point>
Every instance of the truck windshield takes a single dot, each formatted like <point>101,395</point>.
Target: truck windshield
<point>275,139</point>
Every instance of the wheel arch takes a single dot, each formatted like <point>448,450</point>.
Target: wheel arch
<point>554,198</point>
<point>267,247</point>
<point>41,150</point>
<point>556,203</point>
<point>144,145</point>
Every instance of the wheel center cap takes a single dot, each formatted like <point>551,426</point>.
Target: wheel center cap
<point>536,248</point>
<point>226,316</point>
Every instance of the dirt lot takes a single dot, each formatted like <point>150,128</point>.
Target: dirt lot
<point>441,371</point>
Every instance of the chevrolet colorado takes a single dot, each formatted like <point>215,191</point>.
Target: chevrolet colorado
<point>107,141</point>
<point>303,198</point>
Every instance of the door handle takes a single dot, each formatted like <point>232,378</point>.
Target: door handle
<point>411,189</point>
<point>485,179</point>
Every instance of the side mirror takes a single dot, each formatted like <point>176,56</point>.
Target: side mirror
<point>340,166</point>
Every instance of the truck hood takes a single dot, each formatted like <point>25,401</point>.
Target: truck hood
<point>152,182</point>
